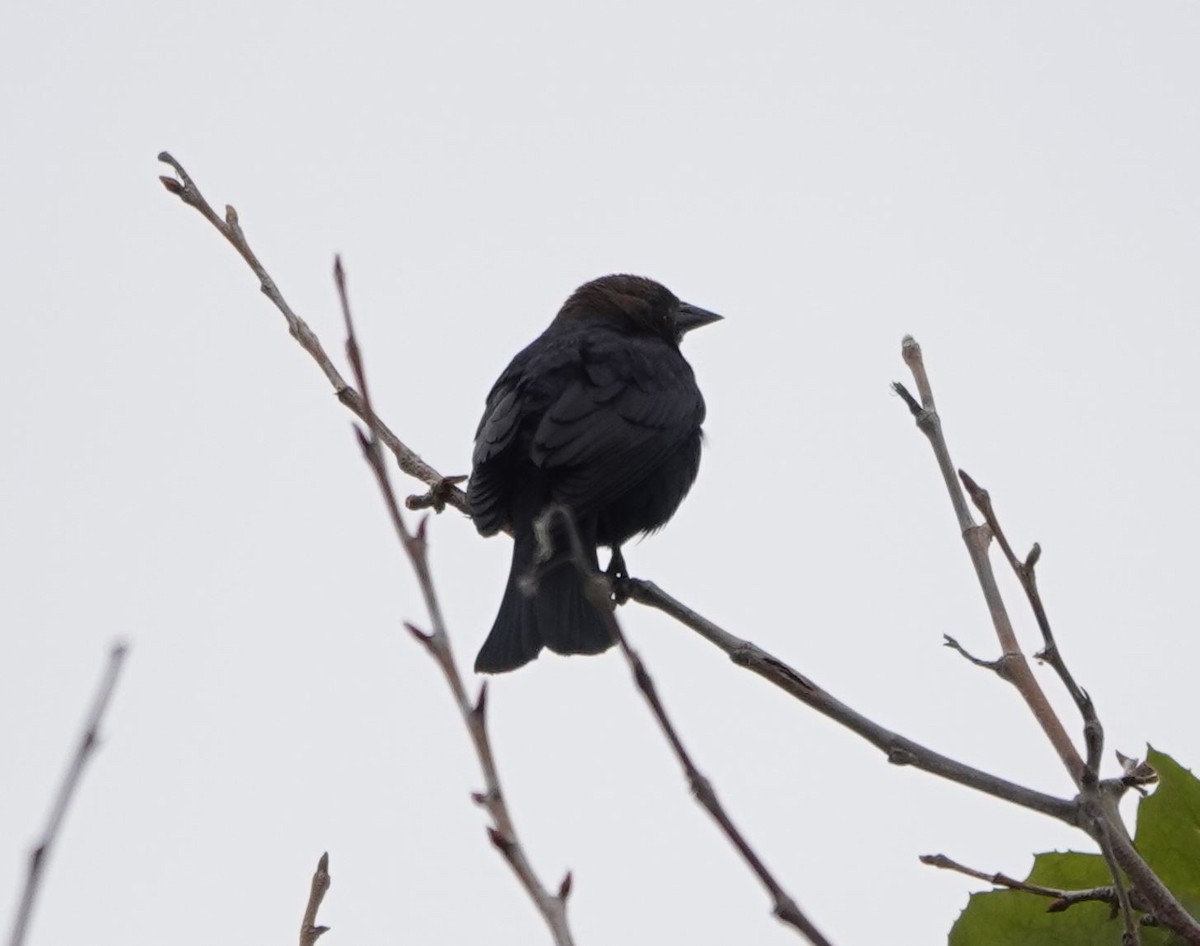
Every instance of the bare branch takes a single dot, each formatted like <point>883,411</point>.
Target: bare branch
<point>899,749</point>
<point>1093,732</point>
<point>88,741</point>
<point>442,489</point>
<point>1097,808</point>
<point>502,832</point>
<point>1107,831</point>
<point>1060,899</point>
<point>310,932</point>
<point>976,537</point>
<point>599,591</point>
<point>1103,836</point>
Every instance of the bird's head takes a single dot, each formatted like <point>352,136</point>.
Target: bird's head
<point>636,305</point>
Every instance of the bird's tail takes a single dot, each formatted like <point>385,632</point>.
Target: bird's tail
<point>558,615</point>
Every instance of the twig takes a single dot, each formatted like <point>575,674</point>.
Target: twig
<point>1103,836</point>
<point>442,490</point>
<point>976,537</point>
<point>89,739</point>
<point>600,593</point>
<point>1060,899</point>
<point>1025,571</point>
<point>998,667</point>
<point>309,931</point>
<point>502,832</point>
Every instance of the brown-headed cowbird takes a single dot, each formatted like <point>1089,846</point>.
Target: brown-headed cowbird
<point>601,415</point>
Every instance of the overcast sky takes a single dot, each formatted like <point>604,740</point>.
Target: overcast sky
<point>1015,184</point>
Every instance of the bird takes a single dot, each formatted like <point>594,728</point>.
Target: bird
<point>601,416</point>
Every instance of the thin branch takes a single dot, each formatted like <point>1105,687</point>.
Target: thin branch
<point>310,932</point>
<point>1167,910</point>
<point>1103,837</point>
<point>1060,899</point>
<point>599,591</point>
<point>998,667</point>
<point>1026,574</point>
<point>977,537</point>
<point>502,832</point>
<point>442,490</point>
<point>88,741</point>
<point>898,749</point>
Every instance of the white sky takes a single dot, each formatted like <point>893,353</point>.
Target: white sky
<point>1015,184</point>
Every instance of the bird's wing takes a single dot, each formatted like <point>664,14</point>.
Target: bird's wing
<point>490,484</point>
<point>627,407</point>
<point>499,424</point>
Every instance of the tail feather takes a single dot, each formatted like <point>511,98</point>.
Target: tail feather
<point>567,619</point>
<point>559,615</point>
<point>513,640</point>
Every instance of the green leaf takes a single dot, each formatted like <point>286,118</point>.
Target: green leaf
<point>1168,837</point>
<point>1168,829</point>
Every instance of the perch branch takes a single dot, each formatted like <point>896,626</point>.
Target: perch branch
<point>88,741</point>
<point>442,490</point>
<point>898,749</point>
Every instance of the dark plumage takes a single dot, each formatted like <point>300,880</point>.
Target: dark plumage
<point>602,415</point>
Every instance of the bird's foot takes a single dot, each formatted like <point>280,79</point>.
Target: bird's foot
<point>618,576</point>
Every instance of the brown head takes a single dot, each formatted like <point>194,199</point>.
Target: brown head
<point>636,305</point>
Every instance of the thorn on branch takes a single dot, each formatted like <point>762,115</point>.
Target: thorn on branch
<point>480,709</point>
<point>419,634</point>
<point>564,889</point>
<point>501,843</point>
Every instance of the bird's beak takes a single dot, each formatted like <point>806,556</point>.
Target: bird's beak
<point>691,317</point>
